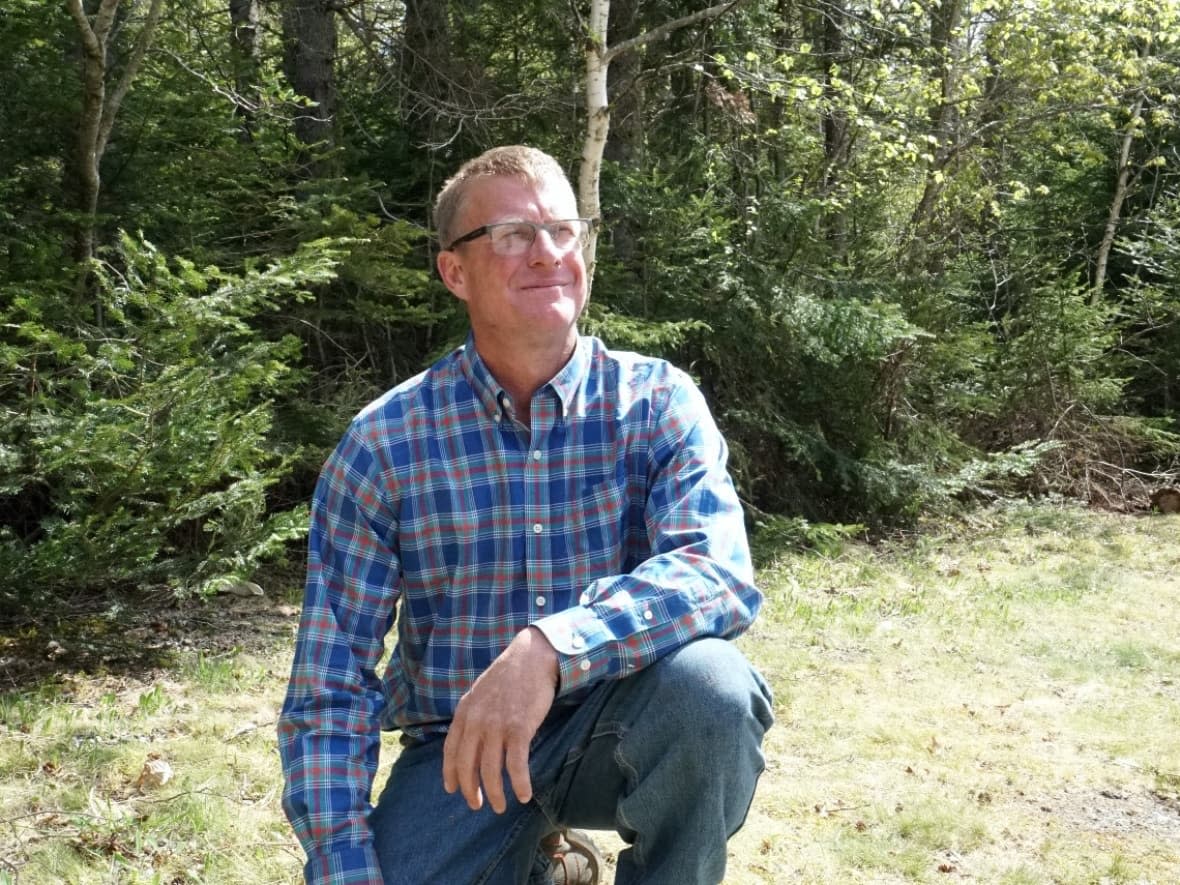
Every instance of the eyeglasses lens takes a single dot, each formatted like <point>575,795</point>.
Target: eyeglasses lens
<point>515,238</point>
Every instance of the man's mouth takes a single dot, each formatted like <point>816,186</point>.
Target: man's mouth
<point>550,284</point>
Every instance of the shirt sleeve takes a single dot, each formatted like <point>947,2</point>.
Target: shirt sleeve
<point>698,580</point>
<point>329,727</point>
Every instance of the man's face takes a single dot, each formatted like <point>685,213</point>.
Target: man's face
<point>532,298</point>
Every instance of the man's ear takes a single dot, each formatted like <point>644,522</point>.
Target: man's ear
<point>450,268</point>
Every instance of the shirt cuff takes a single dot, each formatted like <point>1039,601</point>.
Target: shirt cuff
<point>346,865</point>
<point>580,640</point>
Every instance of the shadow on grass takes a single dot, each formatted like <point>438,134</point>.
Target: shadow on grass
<point>133,634</point>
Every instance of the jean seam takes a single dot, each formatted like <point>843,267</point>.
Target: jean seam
<point>506,846</point>
<point>632,777</point>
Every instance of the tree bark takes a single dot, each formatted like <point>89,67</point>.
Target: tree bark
<point>835,122</point>
<point>598,57</point>
<point>309,40</point>
<point>243,17</point>
<point>777,103</point>
<point>597,124</point>
<point>100,107</point>
<point>625,89</point>
<point>944,117</point>
<point>428,71</point>
<point>1121,188</point>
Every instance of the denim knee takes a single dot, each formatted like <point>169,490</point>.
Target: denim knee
<point>709,686</point>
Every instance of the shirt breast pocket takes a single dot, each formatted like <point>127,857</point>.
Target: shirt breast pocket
<point>598,517</point>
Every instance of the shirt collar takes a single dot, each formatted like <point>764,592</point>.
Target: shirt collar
<point>485,387</point>
<point>568,381</point>
<point>565,383</point>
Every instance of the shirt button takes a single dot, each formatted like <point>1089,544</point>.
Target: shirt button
<point>540,602</point>
<point>647,615</point>
<point>585,665</point>
<point>536,454</point>
<point>577,642</point>
<point>537,528</point>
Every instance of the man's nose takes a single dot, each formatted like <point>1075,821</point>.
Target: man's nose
<point>544,250</point>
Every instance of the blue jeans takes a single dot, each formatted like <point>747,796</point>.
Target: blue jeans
<point>668,758</point>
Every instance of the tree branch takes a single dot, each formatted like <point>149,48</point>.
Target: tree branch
<point>661,31</point>
<point>89,40</point>
<point>142,42</point>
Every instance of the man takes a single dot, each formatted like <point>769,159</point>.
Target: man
<point>568,551</point>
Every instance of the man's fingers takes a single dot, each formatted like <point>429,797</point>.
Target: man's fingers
<point>517,762</point>
<point>460,766</point>
<point>467,770</point>
<point>495,721</point>
<point>491,772</point>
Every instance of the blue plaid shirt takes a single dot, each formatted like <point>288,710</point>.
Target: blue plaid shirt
<point>610,523</point>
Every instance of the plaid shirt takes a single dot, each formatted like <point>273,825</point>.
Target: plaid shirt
<point>610,524</point>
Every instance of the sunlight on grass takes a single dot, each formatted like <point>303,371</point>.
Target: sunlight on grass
<point>1014,672</point>
<point>995,702</point>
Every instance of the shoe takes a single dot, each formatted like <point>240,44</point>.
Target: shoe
<point>574,858</point>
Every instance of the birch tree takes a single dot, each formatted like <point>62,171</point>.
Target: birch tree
<point>598,56</point>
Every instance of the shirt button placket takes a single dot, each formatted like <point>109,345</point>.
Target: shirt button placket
<point>538,577</point>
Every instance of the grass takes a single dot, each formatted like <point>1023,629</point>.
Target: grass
<point>996,701</point>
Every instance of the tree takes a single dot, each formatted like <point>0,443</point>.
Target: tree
<point>101,100</point>
<point>309,41</point>
<point>246,57</point>
<point>598,57</point>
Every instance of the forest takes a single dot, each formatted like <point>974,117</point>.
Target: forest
<point>919,254</point>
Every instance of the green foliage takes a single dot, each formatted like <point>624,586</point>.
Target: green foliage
<point>869,231</point>
<point>775,534</point>
<point>140,452</point>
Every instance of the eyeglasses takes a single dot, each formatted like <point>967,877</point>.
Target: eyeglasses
<point>516,237</point>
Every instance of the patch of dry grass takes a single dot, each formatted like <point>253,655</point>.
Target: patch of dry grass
<point>999,705</point>
<point>995,702</point>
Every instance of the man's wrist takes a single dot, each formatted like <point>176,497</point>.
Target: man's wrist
<point>544,653</point>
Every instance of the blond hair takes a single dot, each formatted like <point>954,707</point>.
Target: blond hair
<point>516,160</point>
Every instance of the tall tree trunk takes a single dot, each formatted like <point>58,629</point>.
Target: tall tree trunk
<point>598,57</point>
<point>835,122</point>
<point>100,107</point>
<point>309,41</point>
<point>243,17</point>
<point>1121,188</point>
<point>625,88</point>
<point>429,72</point>
<point>946,44</point>
<point>598,60</point>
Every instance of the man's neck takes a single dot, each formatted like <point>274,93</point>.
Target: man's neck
<point>524,370</point>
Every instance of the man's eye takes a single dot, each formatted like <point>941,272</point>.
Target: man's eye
<point>565,233</point>
<point>523,232</point>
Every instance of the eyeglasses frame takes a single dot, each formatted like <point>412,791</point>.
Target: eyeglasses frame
<point>537,227</point>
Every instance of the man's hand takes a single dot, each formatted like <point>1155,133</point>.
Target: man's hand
<point>495,722</point>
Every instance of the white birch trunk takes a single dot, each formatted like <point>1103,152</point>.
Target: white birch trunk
<point>598,59</point>
<point>1122,185</point>
<point>597,126</point>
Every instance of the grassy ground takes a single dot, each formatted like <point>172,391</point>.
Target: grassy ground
<point>994,702</point>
